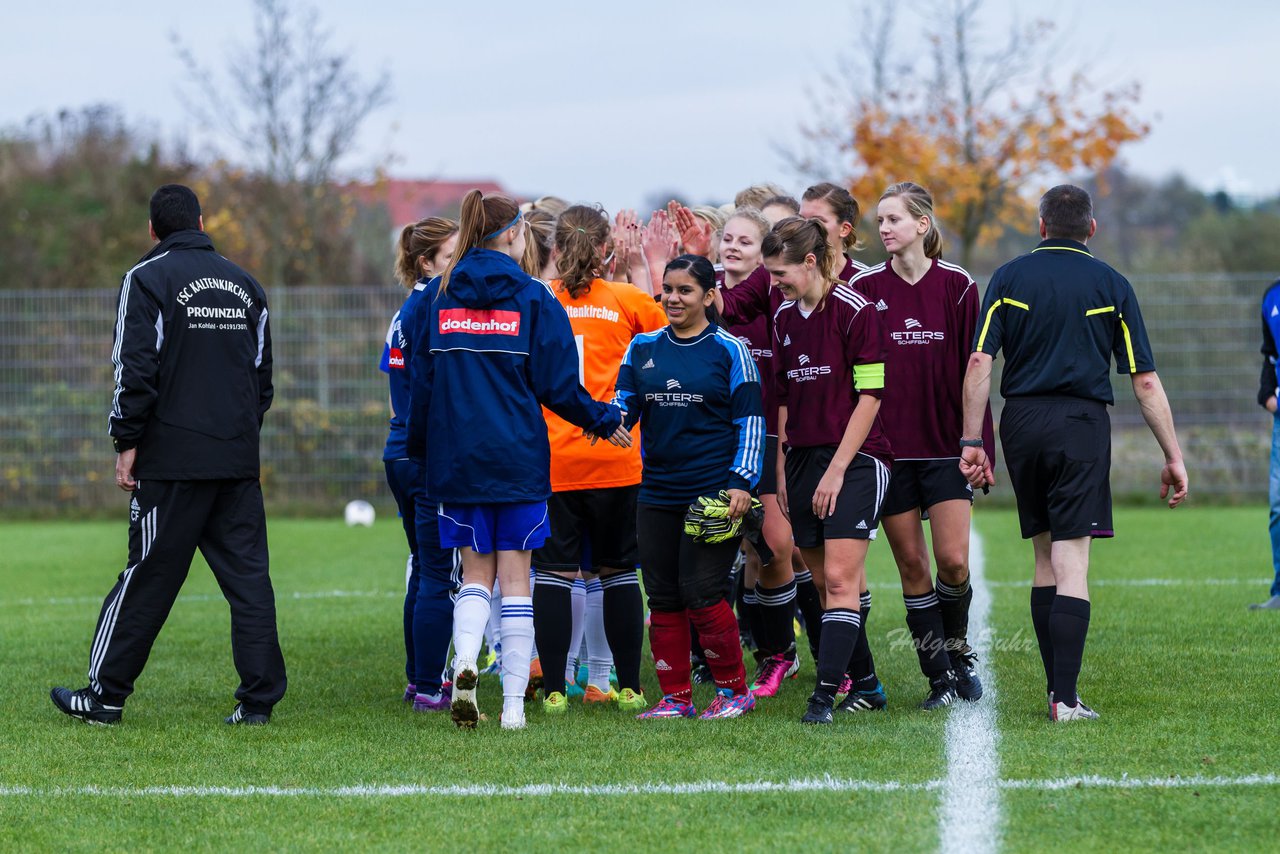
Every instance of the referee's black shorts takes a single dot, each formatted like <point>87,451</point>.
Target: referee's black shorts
<point>1058,453</point>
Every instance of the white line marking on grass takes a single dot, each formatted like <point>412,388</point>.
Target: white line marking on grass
<point>702,787</point>
<point>969,816</point>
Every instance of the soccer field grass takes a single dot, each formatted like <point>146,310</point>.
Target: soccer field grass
<point>1184,756</point>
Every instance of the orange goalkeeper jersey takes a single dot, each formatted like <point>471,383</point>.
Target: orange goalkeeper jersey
<point>604,321</point>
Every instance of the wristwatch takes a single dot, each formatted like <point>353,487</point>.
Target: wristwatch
<point>971,443</point>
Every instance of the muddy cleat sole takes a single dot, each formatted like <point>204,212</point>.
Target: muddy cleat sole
<point>462,705</point>
<point>240,717</point>
<point>84,705</point>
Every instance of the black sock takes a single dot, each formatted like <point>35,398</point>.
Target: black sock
<point>749,616</point>
<point>1041,603</point>
<point>809,604</point>
<point>777,608</point>
<point>862,665</point>
<point>624,626</point>
<point>924,619</point>
<point>839,636</point>
<point>954,602</point>
<point>1068,626</point>
<point>552,628</point>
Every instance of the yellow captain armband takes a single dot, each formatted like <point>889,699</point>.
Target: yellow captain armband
<point>867,377</point>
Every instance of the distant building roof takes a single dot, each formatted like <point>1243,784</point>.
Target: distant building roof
<point>408,201</point>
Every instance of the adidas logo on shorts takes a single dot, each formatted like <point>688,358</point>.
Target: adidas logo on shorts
<point>646,365</point>
<point>134,509</point>
<point>862,525</point>
<point>881,305</point>
<point>661,665</point>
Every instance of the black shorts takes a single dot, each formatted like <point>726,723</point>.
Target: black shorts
<point>768,484</point>
<point>678,572</point>
<point>1058,453</point>
<point>601,520</point>
<point>857,507</point>
<point>920,484</point>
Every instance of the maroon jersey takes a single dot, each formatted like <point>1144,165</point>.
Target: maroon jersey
<point>815,359</point>
<point>851,269</point>
<point>748,315</point>
<point>930,326</point>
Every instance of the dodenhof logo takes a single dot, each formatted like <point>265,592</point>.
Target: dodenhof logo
<point>480,321</point>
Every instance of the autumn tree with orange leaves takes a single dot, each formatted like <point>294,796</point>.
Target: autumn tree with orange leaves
<point>985,130</point>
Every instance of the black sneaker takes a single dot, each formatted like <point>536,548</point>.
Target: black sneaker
<point>242,718</point>
<point>865,701</point>
<point>942,692</point>
<point>819,711</point>
<point>85,705</point>
<point>968,685</point>
<point>701,673</point>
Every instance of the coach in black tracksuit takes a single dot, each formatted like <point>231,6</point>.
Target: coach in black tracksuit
<point>192,361</point>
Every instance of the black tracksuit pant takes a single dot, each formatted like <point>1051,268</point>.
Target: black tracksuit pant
<point>168,521</point>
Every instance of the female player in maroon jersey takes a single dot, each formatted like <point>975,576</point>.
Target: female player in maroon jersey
<point>838,211</point>
<point>829,351</point>
<point>771,586</point>
<point>930,309</point>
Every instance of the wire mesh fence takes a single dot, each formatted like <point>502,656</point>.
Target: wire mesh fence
<point>322,441</point>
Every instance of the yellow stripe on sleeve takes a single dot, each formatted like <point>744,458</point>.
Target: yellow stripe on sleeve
<point>1128,345</point>
<point>867,377</point>
<point>986,324</point>
<point>1106,308</point>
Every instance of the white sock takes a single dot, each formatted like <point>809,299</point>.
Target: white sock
<point>470,613</point>
<point>517,641</point>
<point>599,656</point>
<point>493,629</point>
<point>577,605</point>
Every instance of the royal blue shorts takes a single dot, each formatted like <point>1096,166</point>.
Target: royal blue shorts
<point>494,527</point>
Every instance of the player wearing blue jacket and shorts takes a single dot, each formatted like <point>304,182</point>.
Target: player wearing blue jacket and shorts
<point>425,248</point>
<point>494,345</point>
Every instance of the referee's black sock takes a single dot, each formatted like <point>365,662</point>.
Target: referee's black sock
<point>809,604</point>
<point>924,619</point>
<point>862,665</point>
<point>552,627</point>
<point>1041,603</point>
<point>840,630</point>
<point>1068,626</point>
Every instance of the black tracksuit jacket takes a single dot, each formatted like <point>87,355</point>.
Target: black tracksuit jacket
<point>192,360</point>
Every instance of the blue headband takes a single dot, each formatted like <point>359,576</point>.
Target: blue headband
<point>489,237</point>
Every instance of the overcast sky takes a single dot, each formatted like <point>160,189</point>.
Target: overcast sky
<point>612,102</point>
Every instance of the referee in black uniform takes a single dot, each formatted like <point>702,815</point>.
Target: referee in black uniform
<point>192,360</point>
<point>1060,314</point>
